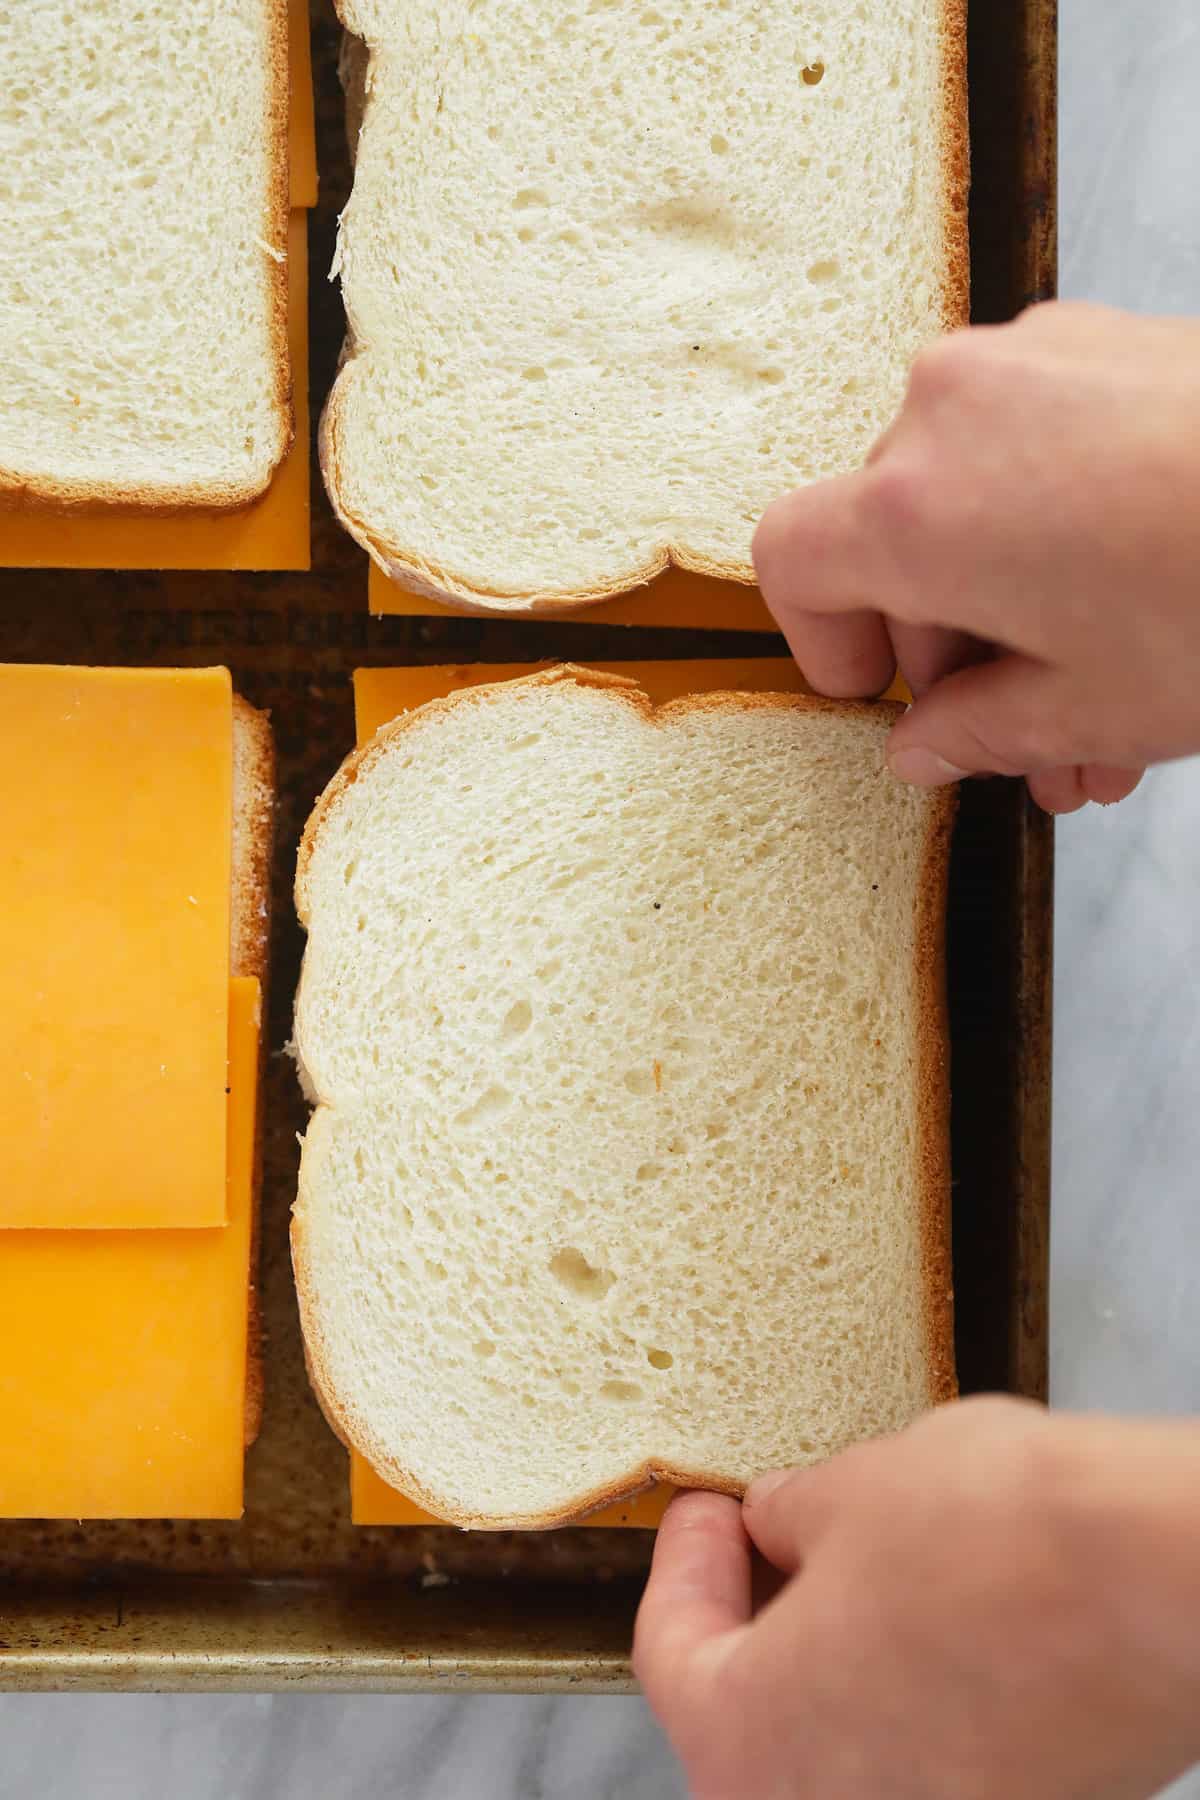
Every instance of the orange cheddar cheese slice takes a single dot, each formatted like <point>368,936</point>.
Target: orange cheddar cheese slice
<point>381,694</point>
<point>677,597</point>
<point>271,533</point>
<point>302,139</point>
<point>116,820</point>
<point>123,1353</point>
<point>373,1502</point>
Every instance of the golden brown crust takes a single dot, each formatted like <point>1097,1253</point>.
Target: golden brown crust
<point>70,494</point>
<point>250,932</point>
<point>933,1154</point>
<point>956,167</point>
<point>933,1096</point>
<point>253,831</point>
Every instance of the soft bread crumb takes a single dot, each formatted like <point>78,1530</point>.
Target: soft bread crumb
<point>629,1158</point>
<point>618,277</point>
<point>143,219</point>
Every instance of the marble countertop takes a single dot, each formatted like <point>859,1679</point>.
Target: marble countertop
<point>1126,1269</point>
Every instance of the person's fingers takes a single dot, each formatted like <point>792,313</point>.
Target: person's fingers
<point>1007,717</point>
<point>928,653</point>
<point>1107,785</point>
<point>1068,789</point>
<point>847,656</point>
<point>767,1582</point>
<point>1054,317</point>
<point>699,1587</point>
<point>1058,791</point>
<point>814,552</point>
<point>784,1511</point>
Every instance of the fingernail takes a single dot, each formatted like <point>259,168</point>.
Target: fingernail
<point>764,1486</point>
<point>924,768</point>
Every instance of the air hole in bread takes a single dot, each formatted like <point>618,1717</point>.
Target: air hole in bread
<point>493,1100</point>
<point>572,1268</point>
<point>819,273</point>
<point>516,1021</point>
<point>620,1390</point>
<point>659,1359</point>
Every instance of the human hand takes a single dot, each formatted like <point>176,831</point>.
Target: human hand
<point>1025,543</point>
<point>997,1602</point>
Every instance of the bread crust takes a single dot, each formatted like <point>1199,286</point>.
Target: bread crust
<point>933,1097</point>
<point>956,167</point>
<point>250,932</point>
<point>69,494</point>
<point>931,1075</point>
<point>437,581</point>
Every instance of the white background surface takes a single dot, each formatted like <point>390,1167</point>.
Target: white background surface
<point>1126,1251</point>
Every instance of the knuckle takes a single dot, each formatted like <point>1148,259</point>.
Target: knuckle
<point>1003,741</point>
<point>897,495</point>
<point>903,509</point>
<point>944,368</point>
<point>984,752</point>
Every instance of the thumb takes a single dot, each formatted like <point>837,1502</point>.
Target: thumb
<point>698,1594</point>
<point>1009,717</point>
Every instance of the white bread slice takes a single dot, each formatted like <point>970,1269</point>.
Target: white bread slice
<point>616,278</point>
<point>630,1157</point>
<point>143,243</point>
<point>250,933</point>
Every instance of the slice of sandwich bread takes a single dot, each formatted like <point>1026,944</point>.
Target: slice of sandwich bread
<point>143,252</point>
<point>617,278</point>
<point>625,1031</point>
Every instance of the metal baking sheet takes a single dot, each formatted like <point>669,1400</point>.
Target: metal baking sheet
<point>293,1594</point>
